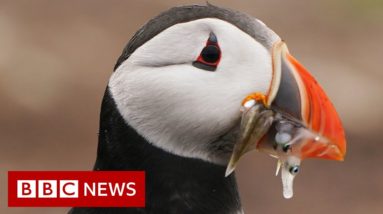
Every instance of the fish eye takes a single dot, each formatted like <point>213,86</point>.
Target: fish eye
<point>286,147</point>
<point>294,170</point>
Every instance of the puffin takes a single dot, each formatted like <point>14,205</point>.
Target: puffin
<point>171,106</point>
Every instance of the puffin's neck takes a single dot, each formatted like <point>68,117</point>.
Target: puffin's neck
<point>174,184</point>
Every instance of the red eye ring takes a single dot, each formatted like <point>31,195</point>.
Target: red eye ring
<point>210,55</point>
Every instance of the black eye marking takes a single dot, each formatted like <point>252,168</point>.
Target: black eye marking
<point>213,38</point>
<point>210,55</point>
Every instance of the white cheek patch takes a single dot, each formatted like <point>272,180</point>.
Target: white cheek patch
<point>178,107</point>
<point>176,45</point>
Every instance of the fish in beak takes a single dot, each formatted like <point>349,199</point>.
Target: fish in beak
<point>295,120</point>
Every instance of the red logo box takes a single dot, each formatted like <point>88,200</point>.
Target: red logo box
<point>76,189</point>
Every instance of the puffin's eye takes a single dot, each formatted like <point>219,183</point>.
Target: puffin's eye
<point>210,55</point>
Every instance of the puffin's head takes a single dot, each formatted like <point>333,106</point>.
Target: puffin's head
<point>181,79</point>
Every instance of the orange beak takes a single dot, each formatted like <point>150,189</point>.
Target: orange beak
<point>297,94</point>
<point>296,97</point>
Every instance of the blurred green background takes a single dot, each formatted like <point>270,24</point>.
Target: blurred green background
<point>56,58</point>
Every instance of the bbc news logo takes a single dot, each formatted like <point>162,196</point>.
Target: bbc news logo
<point>69,189</point>
<point>47,189</point>
<point>76,189</point>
